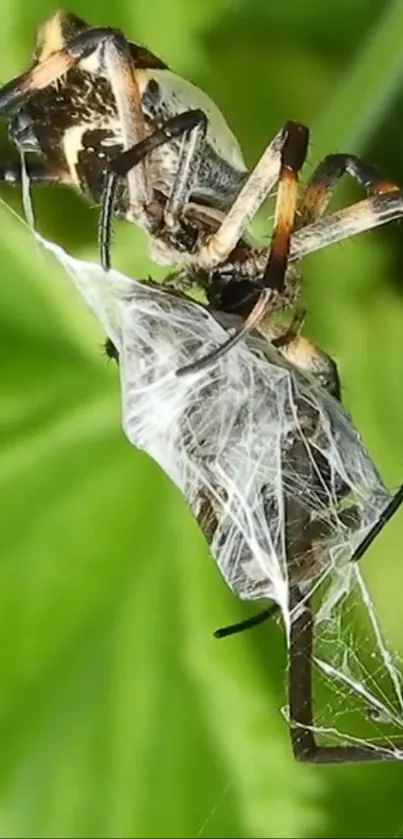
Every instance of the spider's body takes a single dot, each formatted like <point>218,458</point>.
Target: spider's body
<point>109,117</point>
<point>76,127</point>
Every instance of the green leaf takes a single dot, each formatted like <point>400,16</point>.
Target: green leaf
<point>120,714</point>
<point>369,87</point>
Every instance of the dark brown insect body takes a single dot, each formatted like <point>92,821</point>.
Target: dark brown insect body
<point>274,472</point>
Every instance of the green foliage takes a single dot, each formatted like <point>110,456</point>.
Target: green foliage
<point>120,714</point>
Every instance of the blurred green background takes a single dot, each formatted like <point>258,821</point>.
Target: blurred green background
<point>120,714</point>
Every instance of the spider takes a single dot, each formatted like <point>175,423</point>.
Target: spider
<point>109,117</point>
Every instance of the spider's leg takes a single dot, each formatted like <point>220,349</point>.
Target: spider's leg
<point>192,125</point>
<point>254,192</point>
<point>185,177</point>
<point>292,157</point>
<point>385,204</point>
<point>312,233</point>
<point>321,185</point>
<point>365,215</point>
<point>293,330</point>
<point>116,64</point>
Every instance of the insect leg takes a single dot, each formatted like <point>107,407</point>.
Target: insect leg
<point>255,620</point>
<point>394,504</point>
<point>192,125</point>
<point>300,697</point>
<point>301,651</point>
<point>292,157</point>
<point>248,623</point>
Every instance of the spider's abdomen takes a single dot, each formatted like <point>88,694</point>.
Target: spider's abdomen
<point>74,125</point>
